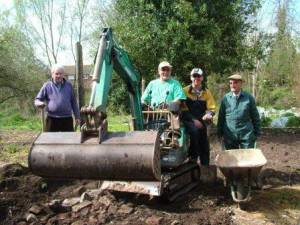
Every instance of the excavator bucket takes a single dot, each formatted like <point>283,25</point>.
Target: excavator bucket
<point>128,156</point>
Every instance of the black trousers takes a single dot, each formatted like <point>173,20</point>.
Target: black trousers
<point>199,146</point>
<point>59,124</point>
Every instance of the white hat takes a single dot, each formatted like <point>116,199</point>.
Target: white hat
<point>164,64</point>
<point>197,71</point>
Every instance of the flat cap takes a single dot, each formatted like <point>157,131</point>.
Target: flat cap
<point>235,77</point>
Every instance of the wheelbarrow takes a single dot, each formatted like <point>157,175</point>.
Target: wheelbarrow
<point>240,167</point>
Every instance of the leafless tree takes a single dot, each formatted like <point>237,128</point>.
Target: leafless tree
<point>78,15</point>
<point>44,22</point>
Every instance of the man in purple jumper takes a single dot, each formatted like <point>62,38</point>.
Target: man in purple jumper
<point>57,94</point>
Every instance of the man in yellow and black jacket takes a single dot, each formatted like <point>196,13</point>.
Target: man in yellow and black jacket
<point>200,109</point>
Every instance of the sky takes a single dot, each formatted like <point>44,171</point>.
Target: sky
<point>65,57</point>
<point>267,15</point>
<point>265,19</point>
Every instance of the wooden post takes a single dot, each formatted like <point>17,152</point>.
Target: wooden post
<point>79,74</point>
<point>143,85</point>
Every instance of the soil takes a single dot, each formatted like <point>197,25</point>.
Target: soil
<point>28,199</point>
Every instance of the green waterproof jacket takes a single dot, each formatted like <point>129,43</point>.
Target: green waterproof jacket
<point>238,118</point>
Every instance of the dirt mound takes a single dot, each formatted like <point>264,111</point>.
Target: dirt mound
<point>28,199</point>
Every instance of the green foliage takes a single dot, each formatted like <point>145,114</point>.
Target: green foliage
<point>11,118</point>
<point>266,121</point>
<point>15,120</point>
<point>118,123</point>
<point>118,101</point>
<point>288,114</point>
<point>279,98</point>
<point>21,74</point>
<point>15,153</point>
<point>278,79</point>
<point>218,86</point>
<point>186,33</point>
<point>293,121</point>
<point>11,148</point>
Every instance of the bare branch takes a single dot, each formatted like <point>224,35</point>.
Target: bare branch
<point>63,16</point>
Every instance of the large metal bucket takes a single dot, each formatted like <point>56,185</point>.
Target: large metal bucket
<point>240,167</point>
<point>130,156</point>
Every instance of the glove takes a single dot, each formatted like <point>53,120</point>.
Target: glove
<point>207,117</point>
<point>40,105</point>
<point>163,106</point>
<point>174,107</point>
<point>145,107</point>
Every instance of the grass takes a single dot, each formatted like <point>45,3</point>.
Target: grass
<point>14,120</point>
<point>16,128</point>
<point>118,123</point>
<point>15,153</point>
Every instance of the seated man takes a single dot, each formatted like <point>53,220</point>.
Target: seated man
<point>200,110</point>
<point>164,89</point>
<point>164,92</point>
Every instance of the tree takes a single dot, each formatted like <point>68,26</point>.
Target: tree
<point>44,23</point>
<point>187,33</point>
<point>279,73</point>
<point>19,69</point>
<point>77,22</point>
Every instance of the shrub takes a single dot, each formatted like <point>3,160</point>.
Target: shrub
<point>293,121</point>
<point>266,121</point>
<point>288,114</point>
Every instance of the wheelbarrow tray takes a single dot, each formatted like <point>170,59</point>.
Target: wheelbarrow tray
<point>241,162</point>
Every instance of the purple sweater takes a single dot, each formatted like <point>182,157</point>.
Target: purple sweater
<point>60,101</point>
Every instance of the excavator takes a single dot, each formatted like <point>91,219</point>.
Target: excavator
<point>151,159</point>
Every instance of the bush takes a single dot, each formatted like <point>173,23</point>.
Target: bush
<point>266,121</point>
<point>289,114</point>
<point>293,121</point>
<point>279,98</point>
<point>118,100</point>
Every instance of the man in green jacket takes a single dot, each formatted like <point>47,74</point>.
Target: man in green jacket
<point>238,121</point>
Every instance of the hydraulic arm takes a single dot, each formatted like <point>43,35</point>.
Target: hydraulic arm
<point>110,57</point>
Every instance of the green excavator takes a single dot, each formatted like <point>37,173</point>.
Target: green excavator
<point>151,159</point>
